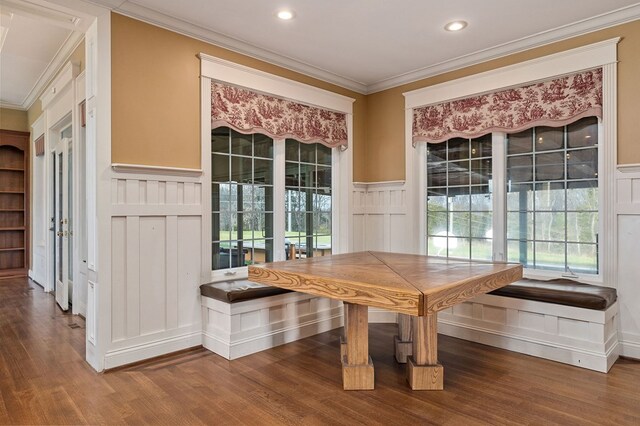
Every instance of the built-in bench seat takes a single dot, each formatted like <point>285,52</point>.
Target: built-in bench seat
<point>562,292</point>
<point>561,320</point>
<point>238,291</point>
<point>241,317</point>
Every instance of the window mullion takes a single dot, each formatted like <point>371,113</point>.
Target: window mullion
<point>279,174</point>
<point>499,189</point>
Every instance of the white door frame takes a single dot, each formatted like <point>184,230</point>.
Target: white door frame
<point>62,235</point>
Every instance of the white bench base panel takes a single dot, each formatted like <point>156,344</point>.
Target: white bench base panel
<point>582,337</point>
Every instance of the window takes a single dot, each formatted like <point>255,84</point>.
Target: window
<point>241,198</point>
<point>243,187</point>
<point>551,200</point>
<point>308,198</point>
<point>552,197</point>
<point>459,200</point>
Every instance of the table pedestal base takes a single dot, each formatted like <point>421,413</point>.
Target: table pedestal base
<point>403,350</point>
<point>357,377</point>
<point>425,377</point>
<point>357,367</point>
<point>403,342</point>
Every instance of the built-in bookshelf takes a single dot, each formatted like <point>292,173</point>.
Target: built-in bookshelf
<point>14,203</point>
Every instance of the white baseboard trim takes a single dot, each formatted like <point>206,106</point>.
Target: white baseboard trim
<point>601,362</point>
<point>630,349</point>
<point>79,308</point>
<point>153,349</point>
<point>377,315</point>
<point>35,277</point>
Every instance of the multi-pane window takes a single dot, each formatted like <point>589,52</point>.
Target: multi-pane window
<point>307,198</point>
<point>552,197</point>
<point>459,200</point>
<point>244,214</point>
<point>241,198</point>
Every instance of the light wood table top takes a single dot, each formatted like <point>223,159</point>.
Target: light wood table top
<point>406,283</point>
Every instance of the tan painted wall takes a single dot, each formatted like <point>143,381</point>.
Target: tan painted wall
<point>384,156</point>
<point>77,56</point>
<point>156,95</point>
<point>13,119</point>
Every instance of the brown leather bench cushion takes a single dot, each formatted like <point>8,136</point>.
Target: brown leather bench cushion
<point>238,290</point>
<point>561,292</point>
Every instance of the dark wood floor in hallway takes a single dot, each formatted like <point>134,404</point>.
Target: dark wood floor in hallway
<point>45,380</point>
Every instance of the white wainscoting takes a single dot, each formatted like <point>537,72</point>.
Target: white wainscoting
<point>380,217</point>
<point>156,227</point>
<point>628,223</point>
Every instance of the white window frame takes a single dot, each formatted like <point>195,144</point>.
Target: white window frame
<point>602,54</point>
<point>216,69</point>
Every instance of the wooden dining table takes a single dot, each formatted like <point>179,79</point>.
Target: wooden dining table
<point>414,286</point>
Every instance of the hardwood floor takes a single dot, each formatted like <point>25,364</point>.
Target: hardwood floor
<point>45,380</point>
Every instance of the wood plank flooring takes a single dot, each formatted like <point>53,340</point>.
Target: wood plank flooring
<point>45,380</point>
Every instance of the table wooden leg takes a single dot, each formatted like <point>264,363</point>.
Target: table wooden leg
<point>423,370</point>
<point>343,338</point>
<point>357,367</point>
<point>403,341</point>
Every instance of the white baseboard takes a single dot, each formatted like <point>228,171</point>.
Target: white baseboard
<point>117,358</point>
<point>79,308</point>
<point>377,315</point>
<point>630,346</point>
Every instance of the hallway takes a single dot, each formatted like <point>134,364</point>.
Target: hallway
<point>45,380</point>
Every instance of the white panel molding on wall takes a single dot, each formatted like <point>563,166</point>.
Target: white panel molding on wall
<point>156,227</point>
<point>380,218</point>
<point>628,269</point>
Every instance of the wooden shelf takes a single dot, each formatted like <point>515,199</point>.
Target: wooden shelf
<point>14,203</point>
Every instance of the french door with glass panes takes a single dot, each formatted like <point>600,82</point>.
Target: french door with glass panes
<point>63,222</point>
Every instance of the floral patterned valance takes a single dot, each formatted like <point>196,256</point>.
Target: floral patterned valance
<point>249,112</point>
<point>555,103</point>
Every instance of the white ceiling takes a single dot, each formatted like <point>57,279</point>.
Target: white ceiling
<point>25,56</point>
<point>369,45</point>
<point>363,45</point>
<point>37,38</point>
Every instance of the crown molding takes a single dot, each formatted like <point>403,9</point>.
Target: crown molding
<point>9,105</point>
<point>54,67</point>
<point>191,30</point>
<point>617,17</point>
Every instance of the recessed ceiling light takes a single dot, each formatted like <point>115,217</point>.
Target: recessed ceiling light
<point>455,25</point>
<point>285,15</point>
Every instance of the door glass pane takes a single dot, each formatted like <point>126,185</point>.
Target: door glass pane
<point>70,212</point>
<point>59,217</point>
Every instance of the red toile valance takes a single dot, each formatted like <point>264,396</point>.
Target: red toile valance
<point>249,112</point>
<point>555,103</point>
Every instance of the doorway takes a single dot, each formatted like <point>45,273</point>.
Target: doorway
<point>62,218</point>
